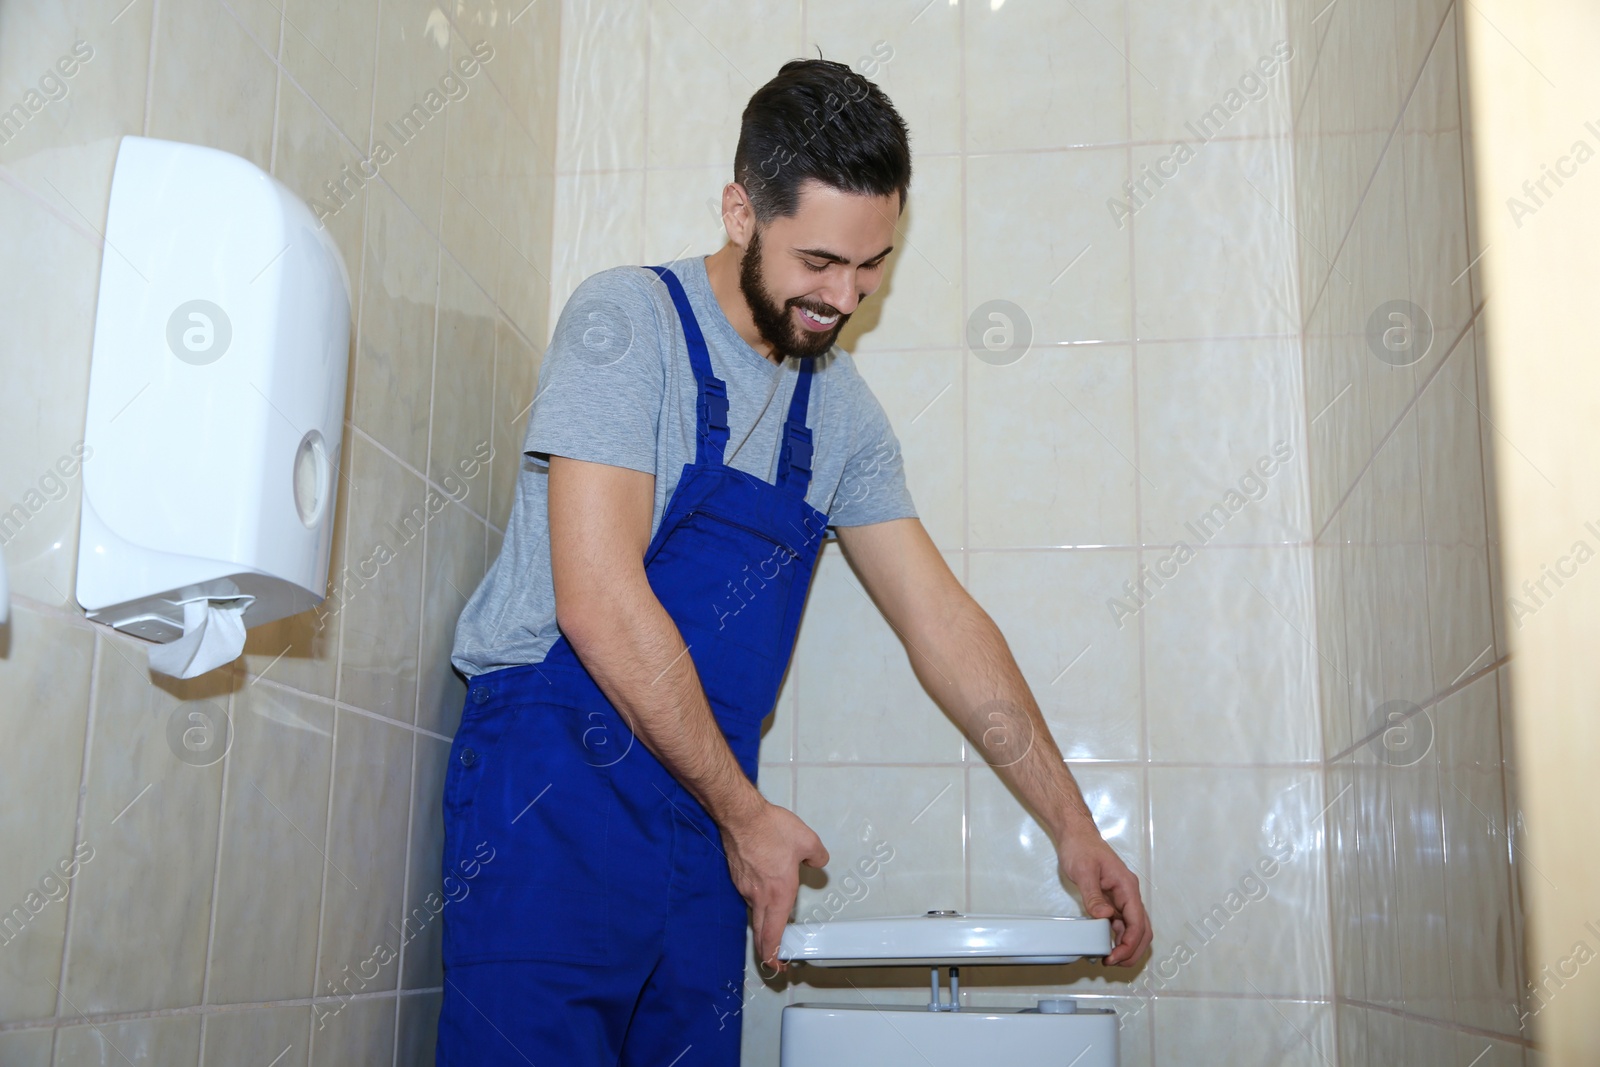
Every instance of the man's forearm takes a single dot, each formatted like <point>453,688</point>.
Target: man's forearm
<point>632,648</point>
<point>965,664</point>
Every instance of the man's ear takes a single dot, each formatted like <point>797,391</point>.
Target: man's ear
<point>738,214</point>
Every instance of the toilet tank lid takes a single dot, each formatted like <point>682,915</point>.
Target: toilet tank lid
<point>945,939</point>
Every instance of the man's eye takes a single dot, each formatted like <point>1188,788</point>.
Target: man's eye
<point>814,268</point>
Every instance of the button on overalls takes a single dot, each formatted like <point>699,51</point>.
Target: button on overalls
<point>591,916</point>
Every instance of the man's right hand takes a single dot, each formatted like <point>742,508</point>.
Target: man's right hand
<point>765,850</point>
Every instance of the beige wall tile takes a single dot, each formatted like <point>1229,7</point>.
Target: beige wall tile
<point>1245,932</point>
<point>1213,245</point>
<point>1080,659</point>
<point>393,381</point>
<point>44,671</point>
<point>362,1031</point>
<point>463,389</point>
<point>151,818</point>
<point>516,369</point>
<point>391,510</point>
<point>244,1036</point>
<point>602,88</point>
<point>1243,1032</point>
<point>1220,424</point>
<point>1241,69</point>
<point>416,88</point>
<point>1477,873</point>
<point>1230,667</point>
<point>858,698</point>
<point>475,190</point>
<point>1040,235</point>
<point>1053,439</point>
<point>602,225</point>
<point>683,212</point>
<point>204,44</point>
<point>142,1042</point>
<point>363,885</point>
<point>331,51</point>
<point>264,940</point>
<point>903,823</point>
<point>419,1028</point>
<point>455,565</point>
<point>27,1048</point>
<point>923,394</point>
<point>422,927</point>
<point>1021,95</point>
<point>703,66</point>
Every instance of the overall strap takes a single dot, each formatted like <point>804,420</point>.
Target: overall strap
<point>794,459</point>
<point>711,407</point>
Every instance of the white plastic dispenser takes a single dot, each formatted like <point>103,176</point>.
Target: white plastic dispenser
<point>216,405</point>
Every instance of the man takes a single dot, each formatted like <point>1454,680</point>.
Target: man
<point>701,432</point>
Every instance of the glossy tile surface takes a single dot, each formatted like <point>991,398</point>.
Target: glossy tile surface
<point>1422,869</point>
<point>201,887</point>
<point>1320,676</point>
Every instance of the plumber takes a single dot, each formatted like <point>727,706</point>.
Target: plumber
<point>696,430</point>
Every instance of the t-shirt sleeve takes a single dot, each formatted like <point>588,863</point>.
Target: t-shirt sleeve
<point>873,486</point>
<point>602,378</point>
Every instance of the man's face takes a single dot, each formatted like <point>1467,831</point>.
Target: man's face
<point>803,276</point>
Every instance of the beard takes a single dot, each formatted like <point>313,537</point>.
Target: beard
<point>773,321</point>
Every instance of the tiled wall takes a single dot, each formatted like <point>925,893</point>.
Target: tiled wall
<point>217,897</point>
<point>1422,812</point>
<point>1220,717</point>
<point>1164,365</point>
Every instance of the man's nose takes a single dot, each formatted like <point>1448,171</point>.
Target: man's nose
<point>843,297</point>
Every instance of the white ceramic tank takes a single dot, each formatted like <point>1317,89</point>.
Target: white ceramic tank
<point>1055,1032</point>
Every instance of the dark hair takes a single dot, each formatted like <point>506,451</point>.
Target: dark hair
<point>819,119</point>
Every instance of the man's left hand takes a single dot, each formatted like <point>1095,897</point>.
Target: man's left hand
<point>1109,891</point>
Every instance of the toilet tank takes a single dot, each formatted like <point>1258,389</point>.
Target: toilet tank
<point>1054,1032</point>
<point>864,1035</point>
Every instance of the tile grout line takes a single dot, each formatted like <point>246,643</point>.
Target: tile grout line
<point>86,767</point>
<point>202,1011</point>
<point>322,899</point>
<point>216,862</point>
<point>1147,800</point>
<point>965,297</point>
<point>1319,710</point>
<point>150,66</point>
<point>405,888</point>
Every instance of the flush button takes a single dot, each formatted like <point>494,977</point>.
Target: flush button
<point>468,757</point>
<point>1064,1006</point>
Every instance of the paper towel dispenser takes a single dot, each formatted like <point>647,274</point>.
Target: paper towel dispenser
<point>216,404</point>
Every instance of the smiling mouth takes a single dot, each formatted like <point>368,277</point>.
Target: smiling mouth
<point>820,320</point>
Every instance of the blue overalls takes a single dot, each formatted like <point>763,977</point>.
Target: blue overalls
<point>604,927</point>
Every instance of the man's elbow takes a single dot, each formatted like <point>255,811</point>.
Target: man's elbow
<point>588,611</point>
<point>581,616</point>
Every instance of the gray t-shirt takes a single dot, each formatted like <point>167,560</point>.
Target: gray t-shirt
<point>616,387</point>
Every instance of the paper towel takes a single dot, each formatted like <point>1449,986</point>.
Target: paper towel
<point>213,634</point>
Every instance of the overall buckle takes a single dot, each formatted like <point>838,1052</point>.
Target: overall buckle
<point>714,393</point>
<point>797,449</point>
